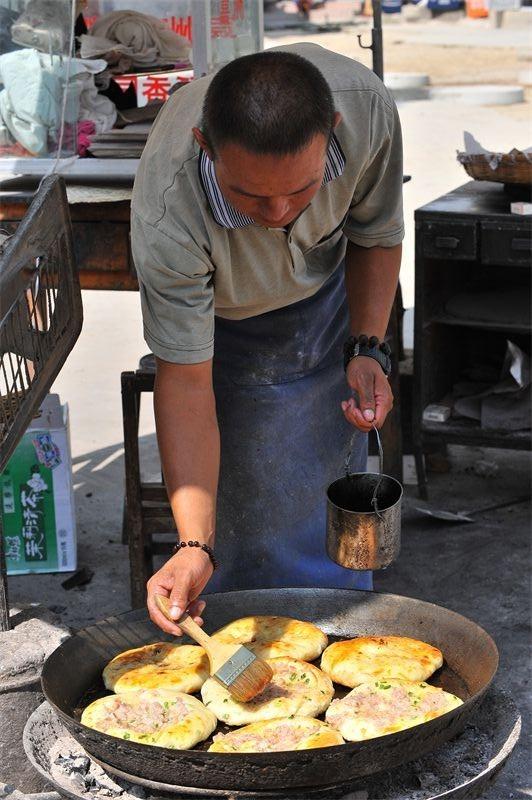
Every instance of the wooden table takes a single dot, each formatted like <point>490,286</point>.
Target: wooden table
<point>101,237</point>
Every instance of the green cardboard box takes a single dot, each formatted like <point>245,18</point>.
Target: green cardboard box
<point>36,496</point>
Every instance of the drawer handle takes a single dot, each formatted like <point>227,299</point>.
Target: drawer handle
<point>450,242</point>
<point>521,244</point>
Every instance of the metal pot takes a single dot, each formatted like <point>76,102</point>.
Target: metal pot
<point>364,518</point>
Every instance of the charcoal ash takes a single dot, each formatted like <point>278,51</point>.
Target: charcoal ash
<point>456,762</point>
<point>75,770</point>
<point>442,770</point>
<point>73,763</point>
<point>139,792</point>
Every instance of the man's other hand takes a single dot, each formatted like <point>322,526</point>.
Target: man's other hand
<point>182,579</point>
<point>375,399</point>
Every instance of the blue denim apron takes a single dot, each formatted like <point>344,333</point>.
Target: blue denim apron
<point>278,382</point>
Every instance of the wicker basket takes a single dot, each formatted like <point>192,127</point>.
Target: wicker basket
<point>513,167</point>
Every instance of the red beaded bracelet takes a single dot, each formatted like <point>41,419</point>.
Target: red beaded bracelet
<point>205,547</point>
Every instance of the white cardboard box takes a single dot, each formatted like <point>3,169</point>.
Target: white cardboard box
<point>521,208</point>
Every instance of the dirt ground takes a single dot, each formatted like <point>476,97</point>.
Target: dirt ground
<point>452,64</point>
<point>449,64</point>
<point>410,47</point>
<point>445,63</point>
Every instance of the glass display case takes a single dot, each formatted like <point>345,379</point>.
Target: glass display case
<point>70,68</point>
<point>39,91</point>
<point>218,31</point>
<point>229,29</point>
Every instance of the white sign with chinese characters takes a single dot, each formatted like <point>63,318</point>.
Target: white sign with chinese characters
<point>154,86</point>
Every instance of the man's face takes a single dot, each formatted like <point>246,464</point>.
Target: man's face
<point>272,190</point>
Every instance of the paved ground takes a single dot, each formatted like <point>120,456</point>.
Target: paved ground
<point>479,570</point>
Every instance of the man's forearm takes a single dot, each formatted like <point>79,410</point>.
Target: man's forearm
<point>371,276</point>
<point>189,446</point>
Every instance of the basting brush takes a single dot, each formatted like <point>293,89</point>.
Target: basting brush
<point>235,667</point>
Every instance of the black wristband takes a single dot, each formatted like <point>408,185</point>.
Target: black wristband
<point>205,547</point>
<point>368,346</point>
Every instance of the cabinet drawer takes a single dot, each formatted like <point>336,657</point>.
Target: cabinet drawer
<point>505,244</point>
<point>450,240</point>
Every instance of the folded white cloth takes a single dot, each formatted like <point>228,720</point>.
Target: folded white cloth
<point>128,35</point>
<point>30,103</point>
<point>96,107</point>
<point>32,97</point>
<point>117,56</point>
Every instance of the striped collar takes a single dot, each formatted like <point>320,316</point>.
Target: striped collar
<point>226,215</point>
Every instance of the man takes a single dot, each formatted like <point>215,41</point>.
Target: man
<point>258,189</point>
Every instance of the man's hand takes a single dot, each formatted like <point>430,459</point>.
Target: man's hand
<point>189,444</point>
<point>182,579</point>
<point>371,275</point>
<point>375,399</point>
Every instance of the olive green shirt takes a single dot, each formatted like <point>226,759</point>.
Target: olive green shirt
<point>196,256</point>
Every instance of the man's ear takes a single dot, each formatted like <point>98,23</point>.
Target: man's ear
<point>202,141</point>
<point>336,119</point>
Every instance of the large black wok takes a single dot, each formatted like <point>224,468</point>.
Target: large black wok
<point>72,673</point>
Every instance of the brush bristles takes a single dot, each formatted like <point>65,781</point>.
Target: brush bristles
<point>252,681</point>
<point>243,674</point>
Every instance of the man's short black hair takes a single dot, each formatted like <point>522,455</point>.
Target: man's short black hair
<point>269,103</point>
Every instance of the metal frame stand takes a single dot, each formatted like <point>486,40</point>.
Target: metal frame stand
<point>376,40</point>
<point>392,430</point>
<point>40,320</point>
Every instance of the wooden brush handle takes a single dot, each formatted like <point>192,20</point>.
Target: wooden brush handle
<point>217,652</point>
<point>186,623</point>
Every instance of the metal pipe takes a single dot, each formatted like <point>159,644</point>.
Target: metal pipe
<point>376,46</point>
<point>376,40</point>
<point>5,624</point>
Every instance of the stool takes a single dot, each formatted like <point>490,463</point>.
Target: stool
<point>147,512</point>
<point>148,525</point>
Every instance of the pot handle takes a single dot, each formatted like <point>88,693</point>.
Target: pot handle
<point>350,451</point>
<point>381,470</point>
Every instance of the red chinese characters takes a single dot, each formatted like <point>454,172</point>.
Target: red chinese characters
<point>180,25</point>
<point>155,87</point>
<point>230,12</point>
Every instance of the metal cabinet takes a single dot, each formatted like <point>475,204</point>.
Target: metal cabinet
<point>468,244</point>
